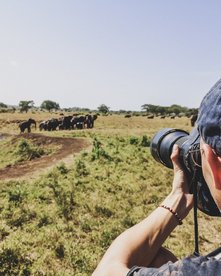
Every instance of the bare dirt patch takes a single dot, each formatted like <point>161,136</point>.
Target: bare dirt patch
<point>68,147</point>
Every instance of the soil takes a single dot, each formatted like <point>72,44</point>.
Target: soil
<point>68,148</point>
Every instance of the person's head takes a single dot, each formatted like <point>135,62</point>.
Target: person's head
<point>209,126</point>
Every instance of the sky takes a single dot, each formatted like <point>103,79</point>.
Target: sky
<point>121,53</point>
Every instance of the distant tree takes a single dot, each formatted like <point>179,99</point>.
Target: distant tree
<point>103,108</point>
<point>191,111</point>
<point>161,109</point>
<point>73,109</point>
<point>122,111</point>
<point>49,105</point>
<point>150,108</point>
<point>2,105</point>
<point>156,109</point>
<point>175,108</point>
<point>25,105</point>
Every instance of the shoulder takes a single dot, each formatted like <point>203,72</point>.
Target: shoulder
<point>186,266</point>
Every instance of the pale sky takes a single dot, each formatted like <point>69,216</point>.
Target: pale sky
<point>122,53</point>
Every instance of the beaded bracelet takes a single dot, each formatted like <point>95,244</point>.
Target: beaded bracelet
<point>173,212</point>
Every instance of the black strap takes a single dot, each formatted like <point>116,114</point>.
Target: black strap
<point>196,235</point>
<point>214,253</point>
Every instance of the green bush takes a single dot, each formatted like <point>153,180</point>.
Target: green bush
<point>99,152</point>
<point>26,151</point>
<point>12,262</point>
<point>145,142</point>
<point>134,140</point>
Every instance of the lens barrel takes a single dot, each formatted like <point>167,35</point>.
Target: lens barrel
<point>162,144</point>
<point>190,158</point>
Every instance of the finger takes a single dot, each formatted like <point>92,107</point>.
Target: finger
<point>175,158</point>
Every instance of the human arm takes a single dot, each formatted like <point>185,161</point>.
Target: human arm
<point>162,256</point>
<point>140,244</point>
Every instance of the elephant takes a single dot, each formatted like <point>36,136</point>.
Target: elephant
<point>27,125</point>
<point>77,122</point>
<point>43,125</point>
<point>49,125</point>
<point>80,122</point>
<point>66,122</point>
<point>89,120</point>
<point>52,124</point>
<point>55,123</point>
<point>73,122</point>
<point>193,119</point>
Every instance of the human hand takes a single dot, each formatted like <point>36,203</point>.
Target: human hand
<point>180,188</point>
<point>180,181</point>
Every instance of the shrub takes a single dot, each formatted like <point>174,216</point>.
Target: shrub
<point>145,142</point>
<point>98,151</point>
<point>81,169</point>
<point>16,194</point>
<point>13,263</point>
<point>27,151</point>
<point>134,140</point>
<point>62,168</point>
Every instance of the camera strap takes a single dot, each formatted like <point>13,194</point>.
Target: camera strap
<point>195,202</point>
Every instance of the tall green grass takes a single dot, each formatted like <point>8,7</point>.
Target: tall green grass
<point>62,222</point>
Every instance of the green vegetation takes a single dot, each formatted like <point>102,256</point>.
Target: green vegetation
<point>49,105</point>
<point>103,109</point>
<point>146,109</point>
<point>173,109</point>
<point>2,105</point>
<point>25,105</point>
<point>62,222</point>
<point>15,151</point>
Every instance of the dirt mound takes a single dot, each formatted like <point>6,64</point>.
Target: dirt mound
<point>67,148</point>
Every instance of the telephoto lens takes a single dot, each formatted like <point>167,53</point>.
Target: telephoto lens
<point>190,158</point>
<point>162,144</point>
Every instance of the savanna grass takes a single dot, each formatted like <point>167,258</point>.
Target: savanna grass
<point>62,222</point>
<point>15,151</point>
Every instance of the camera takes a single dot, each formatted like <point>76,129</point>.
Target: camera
<point>190,158</point>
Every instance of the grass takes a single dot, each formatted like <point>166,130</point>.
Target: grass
<point>62,222</point>
<point>14,151</point>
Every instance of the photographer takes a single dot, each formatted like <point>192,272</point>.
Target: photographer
<point>138,251</point>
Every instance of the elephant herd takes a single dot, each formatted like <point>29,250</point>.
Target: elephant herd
<point>69,122</point>
<point>63,123</point>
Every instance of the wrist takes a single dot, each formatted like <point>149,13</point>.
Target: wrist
<point>178,203</point>
<point>175,214</point>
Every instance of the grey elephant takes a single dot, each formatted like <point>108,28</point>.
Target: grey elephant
<point>27,125</point>
<point>89,120</point>
<point>49,125</point>
<point>65,123</point>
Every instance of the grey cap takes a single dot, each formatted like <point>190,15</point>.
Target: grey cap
<point>209,118</point>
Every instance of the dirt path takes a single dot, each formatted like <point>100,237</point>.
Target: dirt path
<point>69,147</point>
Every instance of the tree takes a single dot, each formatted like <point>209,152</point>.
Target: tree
<point>156,109</point>
<point>49,105</point>
<point>150,108</point>
<point>25,105</point>
<point>175,108</point>
<point>103,108</point>
<point>2,105</point>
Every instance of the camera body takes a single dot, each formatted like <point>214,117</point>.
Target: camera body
<point>190,158</point>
